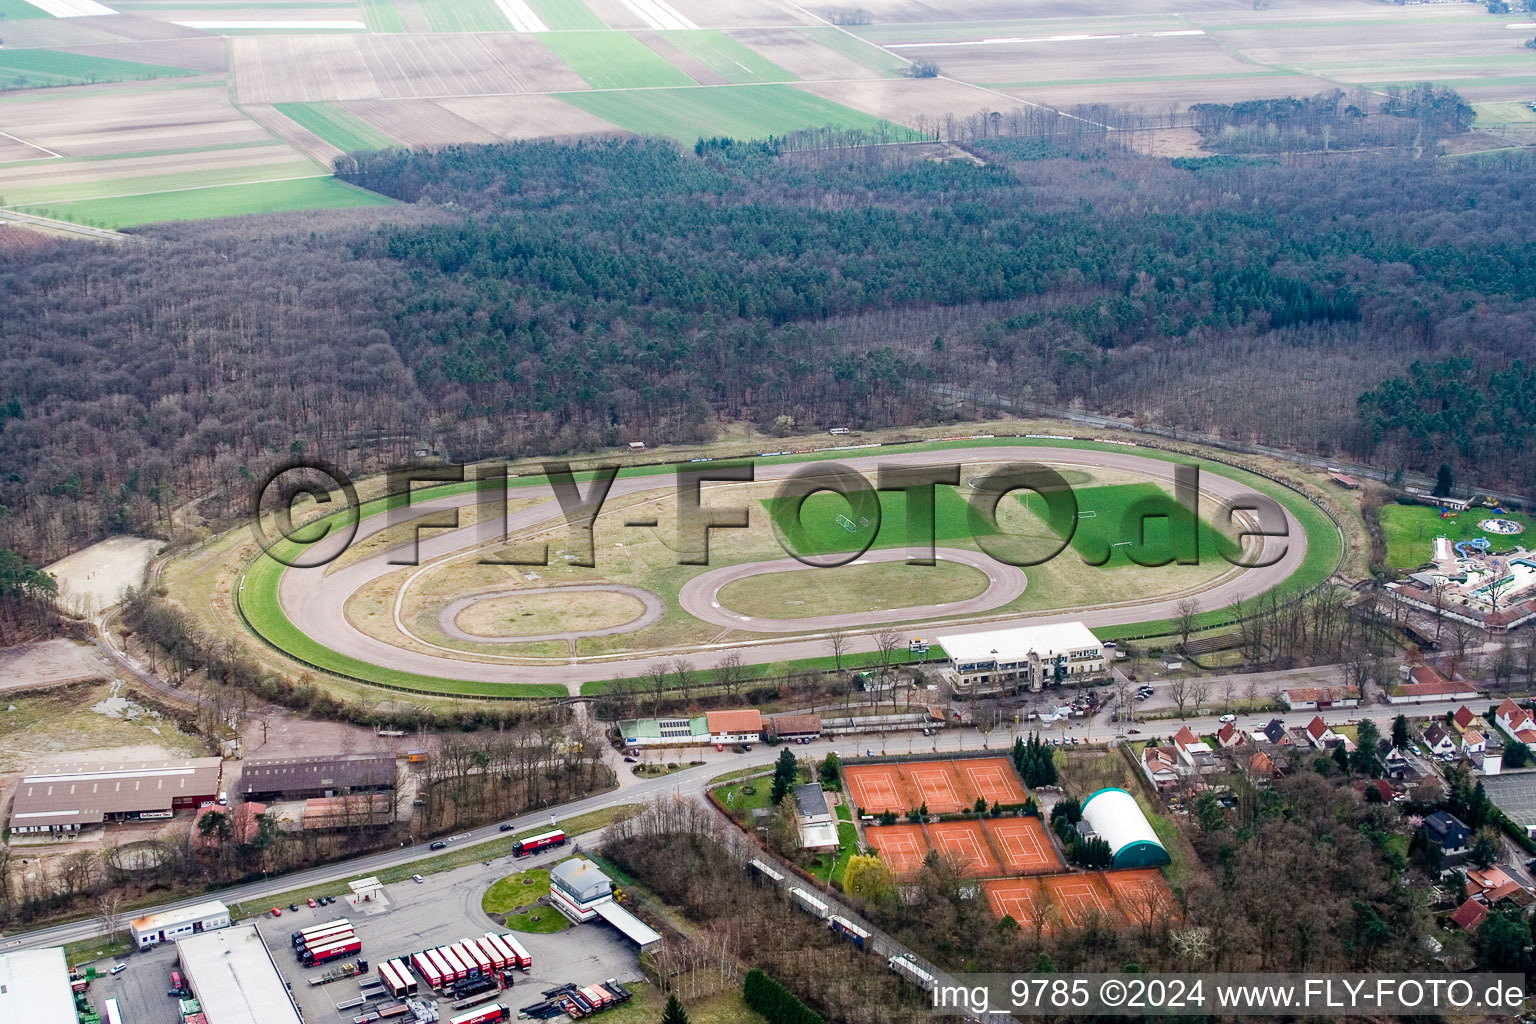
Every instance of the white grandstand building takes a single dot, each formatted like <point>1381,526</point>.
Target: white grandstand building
<point>1023,658</point>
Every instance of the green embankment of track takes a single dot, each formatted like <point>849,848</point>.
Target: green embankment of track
<point>262,611</point>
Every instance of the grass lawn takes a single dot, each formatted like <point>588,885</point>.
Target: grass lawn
<point>827,867</point>
<point>1116,520</point>
<point>86,950</point>
<point>725,1007</point>
<point>564,14</point>
<point>742,798</point>
<point>1410,531</point>
<point>613,60</point>
<point>829,522</point>
<point>725,56</point>
<point>848,588</point>
<point>49,67</point>
<point>540,921</point>
<point>519,890</point>
<point>1180,869</point>
<point>1503,112</point>
<point>341,129</point>
<point>740,112</point>
<point>320,193</point>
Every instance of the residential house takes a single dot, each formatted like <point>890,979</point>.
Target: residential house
<point>1439,741</point>
<point>1464,718</point>
<point>1229,735</point>
<point>1320,734</point>
<point>1276,733</point>
<point>1261,768</point>
<point>1400,764</point>
<point>1469,915</point>
<point>1473,742</point>
<point>1194,751</point>
<point>1494,885</point>
<point>1448,832</point>
<point>1517,722</point>
<point>1382,787</point>
<point>1161,766</point>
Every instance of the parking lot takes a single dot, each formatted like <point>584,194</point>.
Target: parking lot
<point>443,908</point>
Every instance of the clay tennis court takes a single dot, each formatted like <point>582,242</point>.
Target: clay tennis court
<point>877,788</point>
<point>1080,897</point>
<point>946,786</point>
<point>1024,845</point>
<point>903,847</point>
<point>991,777</point>
<point>1023,899</point>
<point>936,785</point>
<point>1141,894</point>
<point>967,843</point>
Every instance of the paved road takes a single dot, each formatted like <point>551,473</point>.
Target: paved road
<point>315,601</point>
<point>692,782</point>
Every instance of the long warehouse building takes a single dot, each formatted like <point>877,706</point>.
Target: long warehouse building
<point>35,988</point>
<point>235,979</point>
<point>71,797</point>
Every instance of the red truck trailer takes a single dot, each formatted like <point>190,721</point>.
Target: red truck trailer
<point>333,951</point>
<point>491,1014</point>
<point>524,958</point>
<point>427,969</point>
<point>498,954</point>
<point>542,841</point>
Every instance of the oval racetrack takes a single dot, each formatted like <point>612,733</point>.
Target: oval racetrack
<point>315,602</point>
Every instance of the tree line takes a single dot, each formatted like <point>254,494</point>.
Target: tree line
<point>536,298</point>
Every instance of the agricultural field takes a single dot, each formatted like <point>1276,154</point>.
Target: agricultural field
<point>203,77</point>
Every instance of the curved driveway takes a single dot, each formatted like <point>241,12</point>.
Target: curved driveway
<point>315,602</point>
<point>699,596</point>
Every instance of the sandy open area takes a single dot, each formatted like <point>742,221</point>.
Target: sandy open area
<point>94,578</point>
<point>29,666</point>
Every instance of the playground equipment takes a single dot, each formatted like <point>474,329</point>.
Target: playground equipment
<point>1479,544</point>
<point>1505,527</point>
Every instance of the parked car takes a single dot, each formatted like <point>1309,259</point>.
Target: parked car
<point>276,912</point>
<point>417,879</point>
<point>312,903</point>
<point>293,908</point>
<point>118,968</point>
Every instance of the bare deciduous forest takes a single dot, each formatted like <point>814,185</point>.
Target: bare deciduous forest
<point>542,298</point>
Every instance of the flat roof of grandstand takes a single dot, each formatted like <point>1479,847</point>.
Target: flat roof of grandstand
<point>85,793</point>
<point>1011,644</point>
<point>34,987</point>
<point>233,977</point>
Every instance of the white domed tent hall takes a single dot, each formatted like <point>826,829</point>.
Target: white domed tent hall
<point>1117,819</point>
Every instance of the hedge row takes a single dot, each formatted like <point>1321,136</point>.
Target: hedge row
<point>777,1004</point>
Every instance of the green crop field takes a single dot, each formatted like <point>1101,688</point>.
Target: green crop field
<point>20,9</point>
<point>341,129</point>
<point>725,56</point>
<point>34,68</point>
<point>382,16</point>
<point>464,16</point>
<point>736,111</point>
<point>1114,521</point>
<point>1504,112</point>
<point>219,201</point>
<point>614,60</point>
<point>566,14</point>
<point>1410,531</point>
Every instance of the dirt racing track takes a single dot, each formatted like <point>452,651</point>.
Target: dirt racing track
<point>314,601</point>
